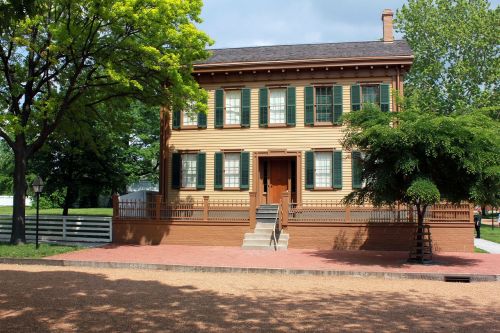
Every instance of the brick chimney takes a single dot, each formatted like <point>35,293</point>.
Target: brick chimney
<point>387,15</point>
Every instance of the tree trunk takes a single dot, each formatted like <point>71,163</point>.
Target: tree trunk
<point>18,235</point>
<point>69,198</point>
<point>420,231</point>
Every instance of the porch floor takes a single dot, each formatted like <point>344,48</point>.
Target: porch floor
<point>293,259</point>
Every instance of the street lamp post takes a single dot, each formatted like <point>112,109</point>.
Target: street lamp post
<point>37,188</point>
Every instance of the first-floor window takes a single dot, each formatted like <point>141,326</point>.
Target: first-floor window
<point>277,106</point>
<point>323,170</point>
<point>233,107</point>
<point>189,170</point>
<point>232,170</point>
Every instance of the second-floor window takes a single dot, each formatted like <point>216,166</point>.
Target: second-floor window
<point>371,94</point>
<point>324,104</point>
<point>233,107</point>
<point>277,106</point>
<point>189,119</point>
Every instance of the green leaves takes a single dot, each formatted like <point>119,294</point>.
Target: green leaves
<point>459,153</point>
<point>457,63</point>
<point>423,192</point>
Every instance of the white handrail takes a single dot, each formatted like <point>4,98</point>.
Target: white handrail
<point>274,227</point>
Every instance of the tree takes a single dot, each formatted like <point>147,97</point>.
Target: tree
<point>420,158</point>
<point>457,64</point>
<point>72,56</point>
<point>100,156</point>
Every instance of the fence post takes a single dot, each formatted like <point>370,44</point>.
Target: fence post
<point>347,213</point>
<point>115,205</point>
<point>64,221</point>
<point>285,201</point>
<point>471,213</point>
<point>410,213</point>
<point>158,206</point>
<point>253,209</point>
<point>205,207</point>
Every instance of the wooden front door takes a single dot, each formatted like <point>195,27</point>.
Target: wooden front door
<point>278,179</point>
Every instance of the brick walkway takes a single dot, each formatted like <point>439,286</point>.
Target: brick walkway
<point>355,261</point>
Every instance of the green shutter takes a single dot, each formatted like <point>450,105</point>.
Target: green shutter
<point>337,169</point>
<point>219,108</point>
<point>176,119</point>
<point>218,171</point>
<point>355,97</point>
<point>290,106</point>
<point>245,107</point>
<point>309,170</point>
<point>176,170</point>
<point>309,106</point>
<point>244,170</point>
<point>337,103</point>
<point>263,107</point>
<point>202,120</point>
<point>356,169</point>
<point>385,98</point>
<point>200,171</point>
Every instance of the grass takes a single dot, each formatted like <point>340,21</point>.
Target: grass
<point>29,250</point>
<point>491,235</point>
<point>478,250</point>
<point>58,211</point>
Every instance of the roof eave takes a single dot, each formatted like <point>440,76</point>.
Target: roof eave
<point>303,63</point>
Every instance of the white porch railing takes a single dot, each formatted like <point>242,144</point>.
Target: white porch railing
<point>62,228</point>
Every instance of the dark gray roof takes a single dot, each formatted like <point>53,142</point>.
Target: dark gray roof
<point>309,51</point>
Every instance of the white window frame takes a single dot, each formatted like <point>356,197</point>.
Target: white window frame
<point>232,165</point>
<point>232,112</point>
<point>323,172</point>
<point>189,170</point>
<point>277,106</point>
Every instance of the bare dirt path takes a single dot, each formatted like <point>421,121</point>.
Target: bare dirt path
<point>60,299</point>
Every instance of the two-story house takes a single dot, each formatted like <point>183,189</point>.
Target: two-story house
<point>274,119</point>
<point>272,136</point>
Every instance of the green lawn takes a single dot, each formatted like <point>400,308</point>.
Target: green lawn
<point>29,250</point>
<point>478,250</point>
<point>491,235</point>
<point>58,211</point>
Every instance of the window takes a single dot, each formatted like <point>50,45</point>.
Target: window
<point>189,118</point>
<point>277,106</point>
<point>371,94</point>
<point>189,170</point>
<point>324,104</point>
<point>233,107</point>
<point>323,170</point>
<point>232,170</point>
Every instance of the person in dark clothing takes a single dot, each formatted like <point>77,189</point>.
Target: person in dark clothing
<point>477,221</point>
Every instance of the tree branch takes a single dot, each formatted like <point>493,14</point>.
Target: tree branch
<point>7,139</point>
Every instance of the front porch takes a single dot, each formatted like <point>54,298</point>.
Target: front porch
<point>311,224</point>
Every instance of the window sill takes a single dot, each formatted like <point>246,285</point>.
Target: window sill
<point>232,127</point>
<point>231,189</point>
<point>277,126</point>
<point>323,189</point>
<point>191,127</point>
<point>326,125</point>
<point>189,189</point>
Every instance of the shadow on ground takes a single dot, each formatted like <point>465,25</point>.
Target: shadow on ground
<point>388,259</point>
<point>75,301</point>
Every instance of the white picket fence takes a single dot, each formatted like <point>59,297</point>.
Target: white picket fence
<point>62,228</point>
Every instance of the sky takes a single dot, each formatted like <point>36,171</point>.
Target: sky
<point>236,23</point>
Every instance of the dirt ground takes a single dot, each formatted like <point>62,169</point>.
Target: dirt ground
<point>60,299</point>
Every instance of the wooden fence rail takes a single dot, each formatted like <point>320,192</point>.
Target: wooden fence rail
<point>318,211</point>
<point>62,228</point>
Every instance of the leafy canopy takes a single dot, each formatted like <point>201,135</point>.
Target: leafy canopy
<point>67,55</point>
<point>457,63</point>
<point>420,156</point>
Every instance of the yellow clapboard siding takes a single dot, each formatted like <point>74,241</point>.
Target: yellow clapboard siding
<point>254,139</point>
